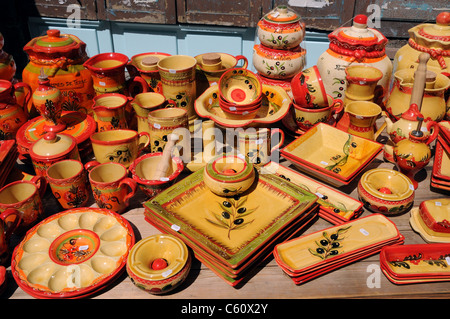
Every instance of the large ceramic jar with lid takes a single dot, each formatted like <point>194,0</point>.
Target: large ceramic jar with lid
<point>281,29</point>
<point>61,56</point>
<point>353,45</point>
<point>52,148</point>
<point>429,38</point>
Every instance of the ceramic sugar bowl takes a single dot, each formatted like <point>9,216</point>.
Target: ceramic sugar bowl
<point>159,263</point>
<point>357,44</point>
<point>282,28</point>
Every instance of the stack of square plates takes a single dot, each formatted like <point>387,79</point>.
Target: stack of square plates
<point>331,155</point>
<point>440,177</point>
<point>313,255</point>
<point>8,158</point>
<point>231,235</point>
<point>335,207</point>
<point>432,220</point>
<point>421,263</point>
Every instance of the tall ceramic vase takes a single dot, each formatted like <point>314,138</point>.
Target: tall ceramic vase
<point>178,83</point>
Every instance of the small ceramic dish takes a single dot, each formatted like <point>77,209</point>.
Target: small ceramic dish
<point>278,64</point>
<point>143,169</point>
<point>386,191</point>
<point>308,89</point>
<point>229,175</point>
<point>429,235</point>
<point>330,154</point>
<point>240,86</point>
<point>435,213</point>
<point>159,263</point>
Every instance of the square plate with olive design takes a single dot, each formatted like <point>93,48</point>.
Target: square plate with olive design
<point>231,229</point>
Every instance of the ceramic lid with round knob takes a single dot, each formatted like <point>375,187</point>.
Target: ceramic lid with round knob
<point>55,42</point>
<point>281,15</point>
<point>437,35</point>
<point>53,145</point>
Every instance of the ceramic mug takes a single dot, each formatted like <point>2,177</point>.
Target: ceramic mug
<point>308,89</point>
<point>7,228</point>
<point>110,111</point>
<point>256,144</point>
<point>25,197</point>
<point>111,186</point>
<point>163,122</point>
<point>69,184</point>
<point>120,146</point>
<point>143,104</point>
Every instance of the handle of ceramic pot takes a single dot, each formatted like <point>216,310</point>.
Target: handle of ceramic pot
<point>380,129</point>
<point>433,127</point>
<point>132,185</point>
<point>29,91</point>
<point>280,143</point>
<point>90,165</point>
<point>146,143</point>
<point>338,109</point>
<point>41,183</point>
<point>139,85</point>
<point>11,227</point>
<point>241,57</point>
<point>132,70</point>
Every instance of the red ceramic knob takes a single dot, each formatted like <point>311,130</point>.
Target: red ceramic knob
<point>443,18</point>
<point>159,263</point>
<point>50,136</point>
<point>385,190</point>
<point>360,18</point>
<point>53,33</point>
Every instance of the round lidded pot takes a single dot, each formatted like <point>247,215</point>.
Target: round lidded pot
<point>53,148</point>
<point>61,56</point>
<point>281,29</point>
<point>357,44</point>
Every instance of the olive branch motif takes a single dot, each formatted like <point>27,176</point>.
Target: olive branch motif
<point>329,245</point>
<point>342,160</point>
<point>232,215</point>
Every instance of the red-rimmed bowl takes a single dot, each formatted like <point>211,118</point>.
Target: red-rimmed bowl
<point>308,89</point>
<point>240,86</point>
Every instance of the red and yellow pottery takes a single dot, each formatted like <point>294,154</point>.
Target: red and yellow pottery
<point>363,116</point>
<point>412,154</point>
<point>178,77</point>
<point>146,65</point>
<point>278,64</point>
<point>159,263</point>
<point>121,146</point>
<point>111,186</point>
<point>435,214</point>
<point>362,84</point>
<point>9,221</point>
<point>432,38</point>
<point>308,89</point>
<point>257,145</point>
<point>12,115</point>
<point>52,148</point>
<point>69,183</point>
<point>143,104</point>
<point>240,86</point>
<point>108,75</point>
<point>281,29</point>
<point>7,64</point>
<point>25,197</point>
<point>386,191</point>
<point>62,57</point>
<point>47,101</point>
<point>229,175</point>
<point>213,71</point>
<point>110,111</point>
<point>357,44</point>
<point>143,169</point>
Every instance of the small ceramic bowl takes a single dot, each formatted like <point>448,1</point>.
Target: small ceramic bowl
<point>229,175</point>
<point>278,64</point>
<point>308,117</point>
<point>386,191</point>
<point>240,86</point>
<point>143,169</point>
<point>159,263</point>
<point>308,89</point>
<point>435,213</point>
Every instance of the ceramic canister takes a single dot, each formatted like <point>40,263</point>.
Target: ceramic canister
<point>256,144</point>
<point>52,148</point>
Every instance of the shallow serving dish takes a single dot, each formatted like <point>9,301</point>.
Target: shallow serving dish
<point>435,213</point>
<point>274,106</point>
<point>429,235</point>
<point>330,154</point>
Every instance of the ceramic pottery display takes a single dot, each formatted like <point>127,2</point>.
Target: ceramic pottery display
<point>146,65</point>
<point>9,221</point>
<point>430,38</point>
<point>53,148</point>
<point>72,254</point>
<point>62,57</point>
<point>357,44</point>
<point>12,114</point>
<point>159,263</point>
<point>307,257</point>
<point>110,111</point>
<point>386,191</point>
<point>7,64</point>
<point>213,65</point>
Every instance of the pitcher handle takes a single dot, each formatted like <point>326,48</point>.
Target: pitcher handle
<point>241,57</point>
<point>41,183</point>
<point>10,228</point>
<point>131,183</point>
<point>280,143</point>
<point>146,143</point>
<point>432,126</point>
<point>90,165</point>
<point>139,85</point>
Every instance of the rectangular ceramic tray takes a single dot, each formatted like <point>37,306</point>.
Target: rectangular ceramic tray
<point>337,205</point>
<point>335,242</point>
<point>441,165</point>
<point>444,130</point>
<point>266,210</point>
<point>330,154</point>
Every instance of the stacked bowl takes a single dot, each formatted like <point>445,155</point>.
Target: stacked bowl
<point>240,94</point>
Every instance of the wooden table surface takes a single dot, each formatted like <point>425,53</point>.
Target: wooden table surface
<point>361,279</point>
